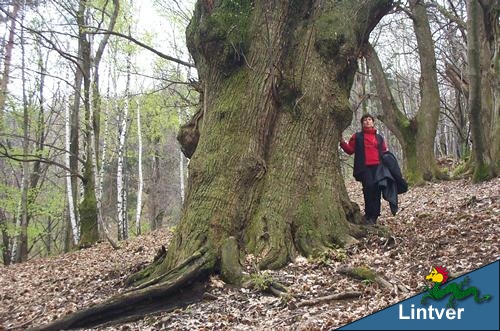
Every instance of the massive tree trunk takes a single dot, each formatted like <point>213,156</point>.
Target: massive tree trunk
<point>265,177</point>
<point>276,80</point>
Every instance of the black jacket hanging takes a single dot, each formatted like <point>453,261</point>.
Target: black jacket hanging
<point>390,161</point>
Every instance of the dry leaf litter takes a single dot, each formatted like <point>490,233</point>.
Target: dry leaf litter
<point>455,224</point>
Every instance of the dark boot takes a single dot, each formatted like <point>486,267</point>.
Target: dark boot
<point>370,220</point>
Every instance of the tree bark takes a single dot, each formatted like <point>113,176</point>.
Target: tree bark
<point>72,212</point>
<point>266,168</point>
<point>479,98</point>
<point>488,26</point>
<point>22,243</point>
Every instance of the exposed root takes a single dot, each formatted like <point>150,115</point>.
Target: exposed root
<point>265,283</point>
<point>168,275</point>
<point>364,273</point>
<point>137,277</point>
<point>183,286</point>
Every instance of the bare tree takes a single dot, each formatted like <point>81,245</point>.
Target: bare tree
<point>416,134</point>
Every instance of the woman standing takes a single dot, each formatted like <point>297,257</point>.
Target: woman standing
<point>367,147</point>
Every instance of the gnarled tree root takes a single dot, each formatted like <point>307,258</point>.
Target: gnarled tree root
<point>181,289</point>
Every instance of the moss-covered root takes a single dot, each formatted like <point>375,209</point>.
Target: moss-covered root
<point>263,282</point>
<point>138,277</point>
<point>231,271</point>
<point>179,287</point>
<point>362,273</point>
<point>366,274</point>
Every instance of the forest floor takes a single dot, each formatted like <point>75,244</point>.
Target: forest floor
<point>454,224</point>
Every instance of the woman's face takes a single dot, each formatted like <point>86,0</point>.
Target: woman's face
<point>368,122</point>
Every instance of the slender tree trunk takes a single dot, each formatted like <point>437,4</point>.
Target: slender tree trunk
<point>6,252</point>
<point>7,61</point>
<point>489,39</point>
<point>15,238</point>
<point>70,192</point>
<point>140,181</point>
<point>10,242</point>
<point>428,114</point>
<point>156,210</point>
<point>495,74</point>
<point>36,178</point>
<point>50,229</point>
<point>483,50</point>
<point>74,149</point>
<point>88,207</point>
<point>120,180</point>
<point>104,162</point>
<point>181,165</point>
<point>91,215</point>
<point>22,252</point>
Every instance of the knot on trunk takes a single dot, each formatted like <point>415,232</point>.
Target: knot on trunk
<point>189,134</point>
<point>251,169</point>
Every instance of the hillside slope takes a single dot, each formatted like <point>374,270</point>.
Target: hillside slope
<point>454,224</point>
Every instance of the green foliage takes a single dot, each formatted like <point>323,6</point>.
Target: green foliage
<point>260,281</point>
<point>158,116</point>
<point>35,230</point>
<point>9,199</point>
<point>461,169</point>
<point>328,256</point>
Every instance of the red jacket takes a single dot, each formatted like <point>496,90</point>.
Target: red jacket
<point>371,148</point>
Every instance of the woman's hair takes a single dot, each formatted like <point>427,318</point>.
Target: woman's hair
<point>365,116</point>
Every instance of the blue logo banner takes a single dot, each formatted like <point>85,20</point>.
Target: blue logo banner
<point>467,314</point>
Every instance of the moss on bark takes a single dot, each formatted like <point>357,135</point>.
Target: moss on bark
<point>89,232</point>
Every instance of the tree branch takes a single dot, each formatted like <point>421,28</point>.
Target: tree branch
<point>149,48</point>
<point>4,152</point>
